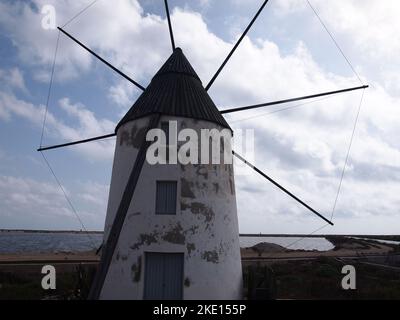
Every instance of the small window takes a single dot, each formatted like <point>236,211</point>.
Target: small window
<point>166,197</point>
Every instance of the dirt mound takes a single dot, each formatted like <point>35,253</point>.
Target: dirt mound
<point>268,247</point>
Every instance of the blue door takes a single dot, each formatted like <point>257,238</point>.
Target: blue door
<point>163,278</point>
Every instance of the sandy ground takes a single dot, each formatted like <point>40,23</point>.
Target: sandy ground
<point>49,257</point>
<point>350,249</point>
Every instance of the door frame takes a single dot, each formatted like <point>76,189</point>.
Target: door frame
<point>163,252</point>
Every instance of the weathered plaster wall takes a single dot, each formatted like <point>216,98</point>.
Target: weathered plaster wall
<point>205,227</point>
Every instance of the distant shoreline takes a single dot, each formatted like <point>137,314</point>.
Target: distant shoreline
<point>370,236</point>
<point>49,231</point>
<point>314,235</point>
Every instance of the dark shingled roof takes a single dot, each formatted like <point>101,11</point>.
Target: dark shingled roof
<point>175,90</point>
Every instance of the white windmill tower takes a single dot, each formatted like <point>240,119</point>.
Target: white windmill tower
<point>180,236</point>
<point>171,229</point>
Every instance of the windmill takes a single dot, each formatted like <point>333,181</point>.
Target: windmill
<point>171,231</point>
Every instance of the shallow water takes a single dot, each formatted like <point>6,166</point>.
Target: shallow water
<point>379,240</point>
<point>25,242</point>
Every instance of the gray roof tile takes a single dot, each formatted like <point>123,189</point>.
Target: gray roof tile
<point>175,90</point>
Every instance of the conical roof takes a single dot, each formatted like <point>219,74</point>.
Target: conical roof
<point>175,90</point>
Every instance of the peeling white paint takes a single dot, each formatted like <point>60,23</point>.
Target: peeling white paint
<point>205,227</point>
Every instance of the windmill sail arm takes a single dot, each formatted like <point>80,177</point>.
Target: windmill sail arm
<point>255,106</point>
<point>236,45</point>
<point>76,142</point>
<point>222,112</point>
<point>102,60</point>
<point>282,188</point>
<point>171,34</point>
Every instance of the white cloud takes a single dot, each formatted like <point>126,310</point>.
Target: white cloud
<point>42,204</point>
<point>88,124</point>
<point>36,45</point>
<point>17,79</point>
<point>367,30</point>
<point>13,79</point>
<point>122,94</point>
<point>29,194</point>
<point>96,194</point>
<point>10,105</point>
<point>372,26</point>
<point>123,43</point>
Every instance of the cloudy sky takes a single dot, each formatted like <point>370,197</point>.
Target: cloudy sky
<point>286,54</point>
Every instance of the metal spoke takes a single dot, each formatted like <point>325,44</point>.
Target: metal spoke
<point>255,106</point>
<point>76,142</point>
<point>102,60</point>
<point>282,188</point>
<point>171,34</point>
<point>235,46</point>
